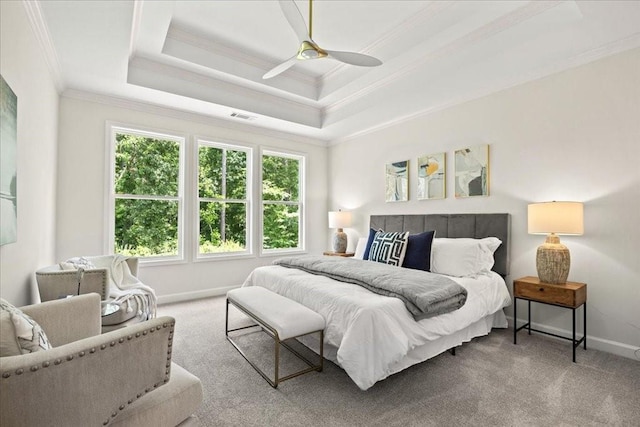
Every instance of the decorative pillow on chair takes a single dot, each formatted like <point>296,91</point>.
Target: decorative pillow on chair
<point>389,248</point>
<point>20,333</point>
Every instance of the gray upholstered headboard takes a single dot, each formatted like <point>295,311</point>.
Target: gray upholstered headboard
<point>475,226</point>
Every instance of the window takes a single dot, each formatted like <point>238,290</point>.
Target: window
<point>223,198</point>
<point>170,192</point>
<point>146,202</point>
<point>282,201</point>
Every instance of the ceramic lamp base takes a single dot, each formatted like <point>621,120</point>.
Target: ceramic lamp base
<point>553,261</point>
<point>340,241</point>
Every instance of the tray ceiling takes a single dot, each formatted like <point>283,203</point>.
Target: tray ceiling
<point>208,57</point>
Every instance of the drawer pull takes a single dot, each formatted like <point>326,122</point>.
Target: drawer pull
<point>541,289</point>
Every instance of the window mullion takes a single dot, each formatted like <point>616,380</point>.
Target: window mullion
<point>223,190</point>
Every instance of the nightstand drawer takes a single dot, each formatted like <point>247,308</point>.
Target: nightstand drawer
<point>568,294</point>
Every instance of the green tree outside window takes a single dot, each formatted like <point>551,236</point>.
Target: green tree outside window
<point>146,188</point>
<point>281,206</point>
<point>223,201</point>
<point>148,197</point>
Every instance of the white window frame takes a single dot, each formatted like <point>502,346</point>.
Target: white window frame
<point>207,142</point>
<point>301,203</point>
<point>112,130</point>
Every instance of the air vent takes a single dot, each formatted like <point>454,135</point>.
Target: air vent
<point>243,116</point>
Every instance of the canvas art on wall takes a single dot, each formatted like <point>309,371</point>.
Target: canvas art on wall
<point>472,171</point>
<point>8,170</point>
<point>397,181</point>
<point>431,177</point>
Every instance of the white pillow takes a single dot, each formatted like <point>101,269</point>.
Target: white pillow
<point>463,257</point>
<point>360,247</point>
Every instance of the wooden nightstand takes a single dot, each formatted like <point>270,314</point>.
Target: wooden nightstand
<point>343,254</point>
<point>569,295</point>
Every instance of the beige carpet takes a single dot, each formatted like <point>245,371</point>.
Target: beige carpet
<point>490,382</point>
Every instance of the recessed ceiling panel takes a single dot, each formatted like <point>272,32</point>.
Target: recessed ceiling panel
<point>190,54</point>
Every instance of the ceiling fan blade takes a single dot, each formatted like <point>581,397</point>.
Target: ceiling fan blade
<point>295,19</point>
<point>280,68</point>
<point>354,58</point>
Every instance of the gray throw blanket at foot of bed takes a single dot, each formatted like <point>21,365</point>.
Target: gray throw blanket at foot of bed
<point>424,294</point>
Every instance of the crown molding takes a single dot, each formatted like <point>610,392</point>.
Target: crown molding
<point>41,31</point>
<point>207,81</point>
<point>184,35</point>
<point>431,11</point>
<point>496,26</point>
<point>135,27</point>
<point>601,52</point>
<point>175,113</point>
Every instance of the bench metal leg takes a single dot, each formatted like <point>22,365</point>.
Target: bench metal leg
<point>277,342</point>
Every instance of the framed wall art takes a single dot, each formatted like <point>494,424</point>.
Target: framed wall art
<point>397,181</point>
<point>431,176</point>
<point>8,168</point>
<point>472,171</point>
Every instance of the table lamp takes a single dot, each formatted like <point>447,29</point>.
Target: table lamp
<point>553,259</point>
<point>339,220</point>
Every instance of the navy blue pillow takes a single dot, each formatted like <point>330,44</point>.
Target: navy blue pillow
<point>367,249</point>
<point>418,254</point>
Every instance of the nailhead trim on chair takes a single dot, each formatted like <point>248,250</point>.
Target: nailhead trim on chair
<point>104,294</point>
<point>70,357</point>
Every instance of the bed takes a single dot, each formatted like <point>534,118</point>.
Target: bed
<point>373,336</point>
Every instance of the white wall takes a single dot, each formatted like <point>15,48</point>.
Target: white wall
<point>24,67</point>
<point>571,136</point>
<point>81,189</point>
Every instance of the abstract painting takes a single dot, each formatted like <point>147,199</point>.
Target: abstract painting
<point>472,171</point>
<point>397,181</point>
<point>8,169</point>
<point>431,176</point>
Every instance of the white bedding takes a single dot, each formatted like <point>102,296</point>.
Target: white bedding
<point>374,333</point>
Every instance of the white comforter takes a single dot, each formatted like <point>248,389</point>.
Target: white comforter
<point>370,331</point>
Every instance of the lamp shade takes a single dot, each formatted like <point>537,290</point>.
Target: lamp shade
<point>339,219</point>
<point>556,217</point>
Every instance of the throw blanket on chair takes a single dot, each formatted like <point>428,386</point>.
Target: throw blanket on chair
<point>123,286</point>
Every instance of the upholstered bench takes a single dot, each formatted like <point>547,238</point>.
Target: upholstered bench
<point>282,319</point>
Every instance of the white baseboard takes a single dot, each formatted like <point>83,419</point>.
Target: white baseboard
<point>189,296</point>
<point>595,343</point>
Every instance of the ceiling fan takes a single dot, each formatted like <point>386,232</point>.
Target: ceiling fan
<point>308,48</point>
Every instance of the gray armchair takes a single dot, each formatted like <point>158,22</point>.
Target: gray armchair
<point>124,377</point>
<point>55,283</point>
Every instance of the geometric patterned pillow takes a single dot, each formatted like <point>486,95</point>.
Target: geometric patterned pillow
<point>389,248</point>
<point>21,334</point>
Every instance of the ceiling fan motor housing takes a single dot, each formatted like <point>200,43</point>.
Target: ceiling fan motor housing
<point>310,50</point>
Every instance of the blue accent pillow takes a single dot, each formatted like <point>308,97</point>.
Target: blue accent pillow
<point>418,254</point>
<point>367,249</point>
